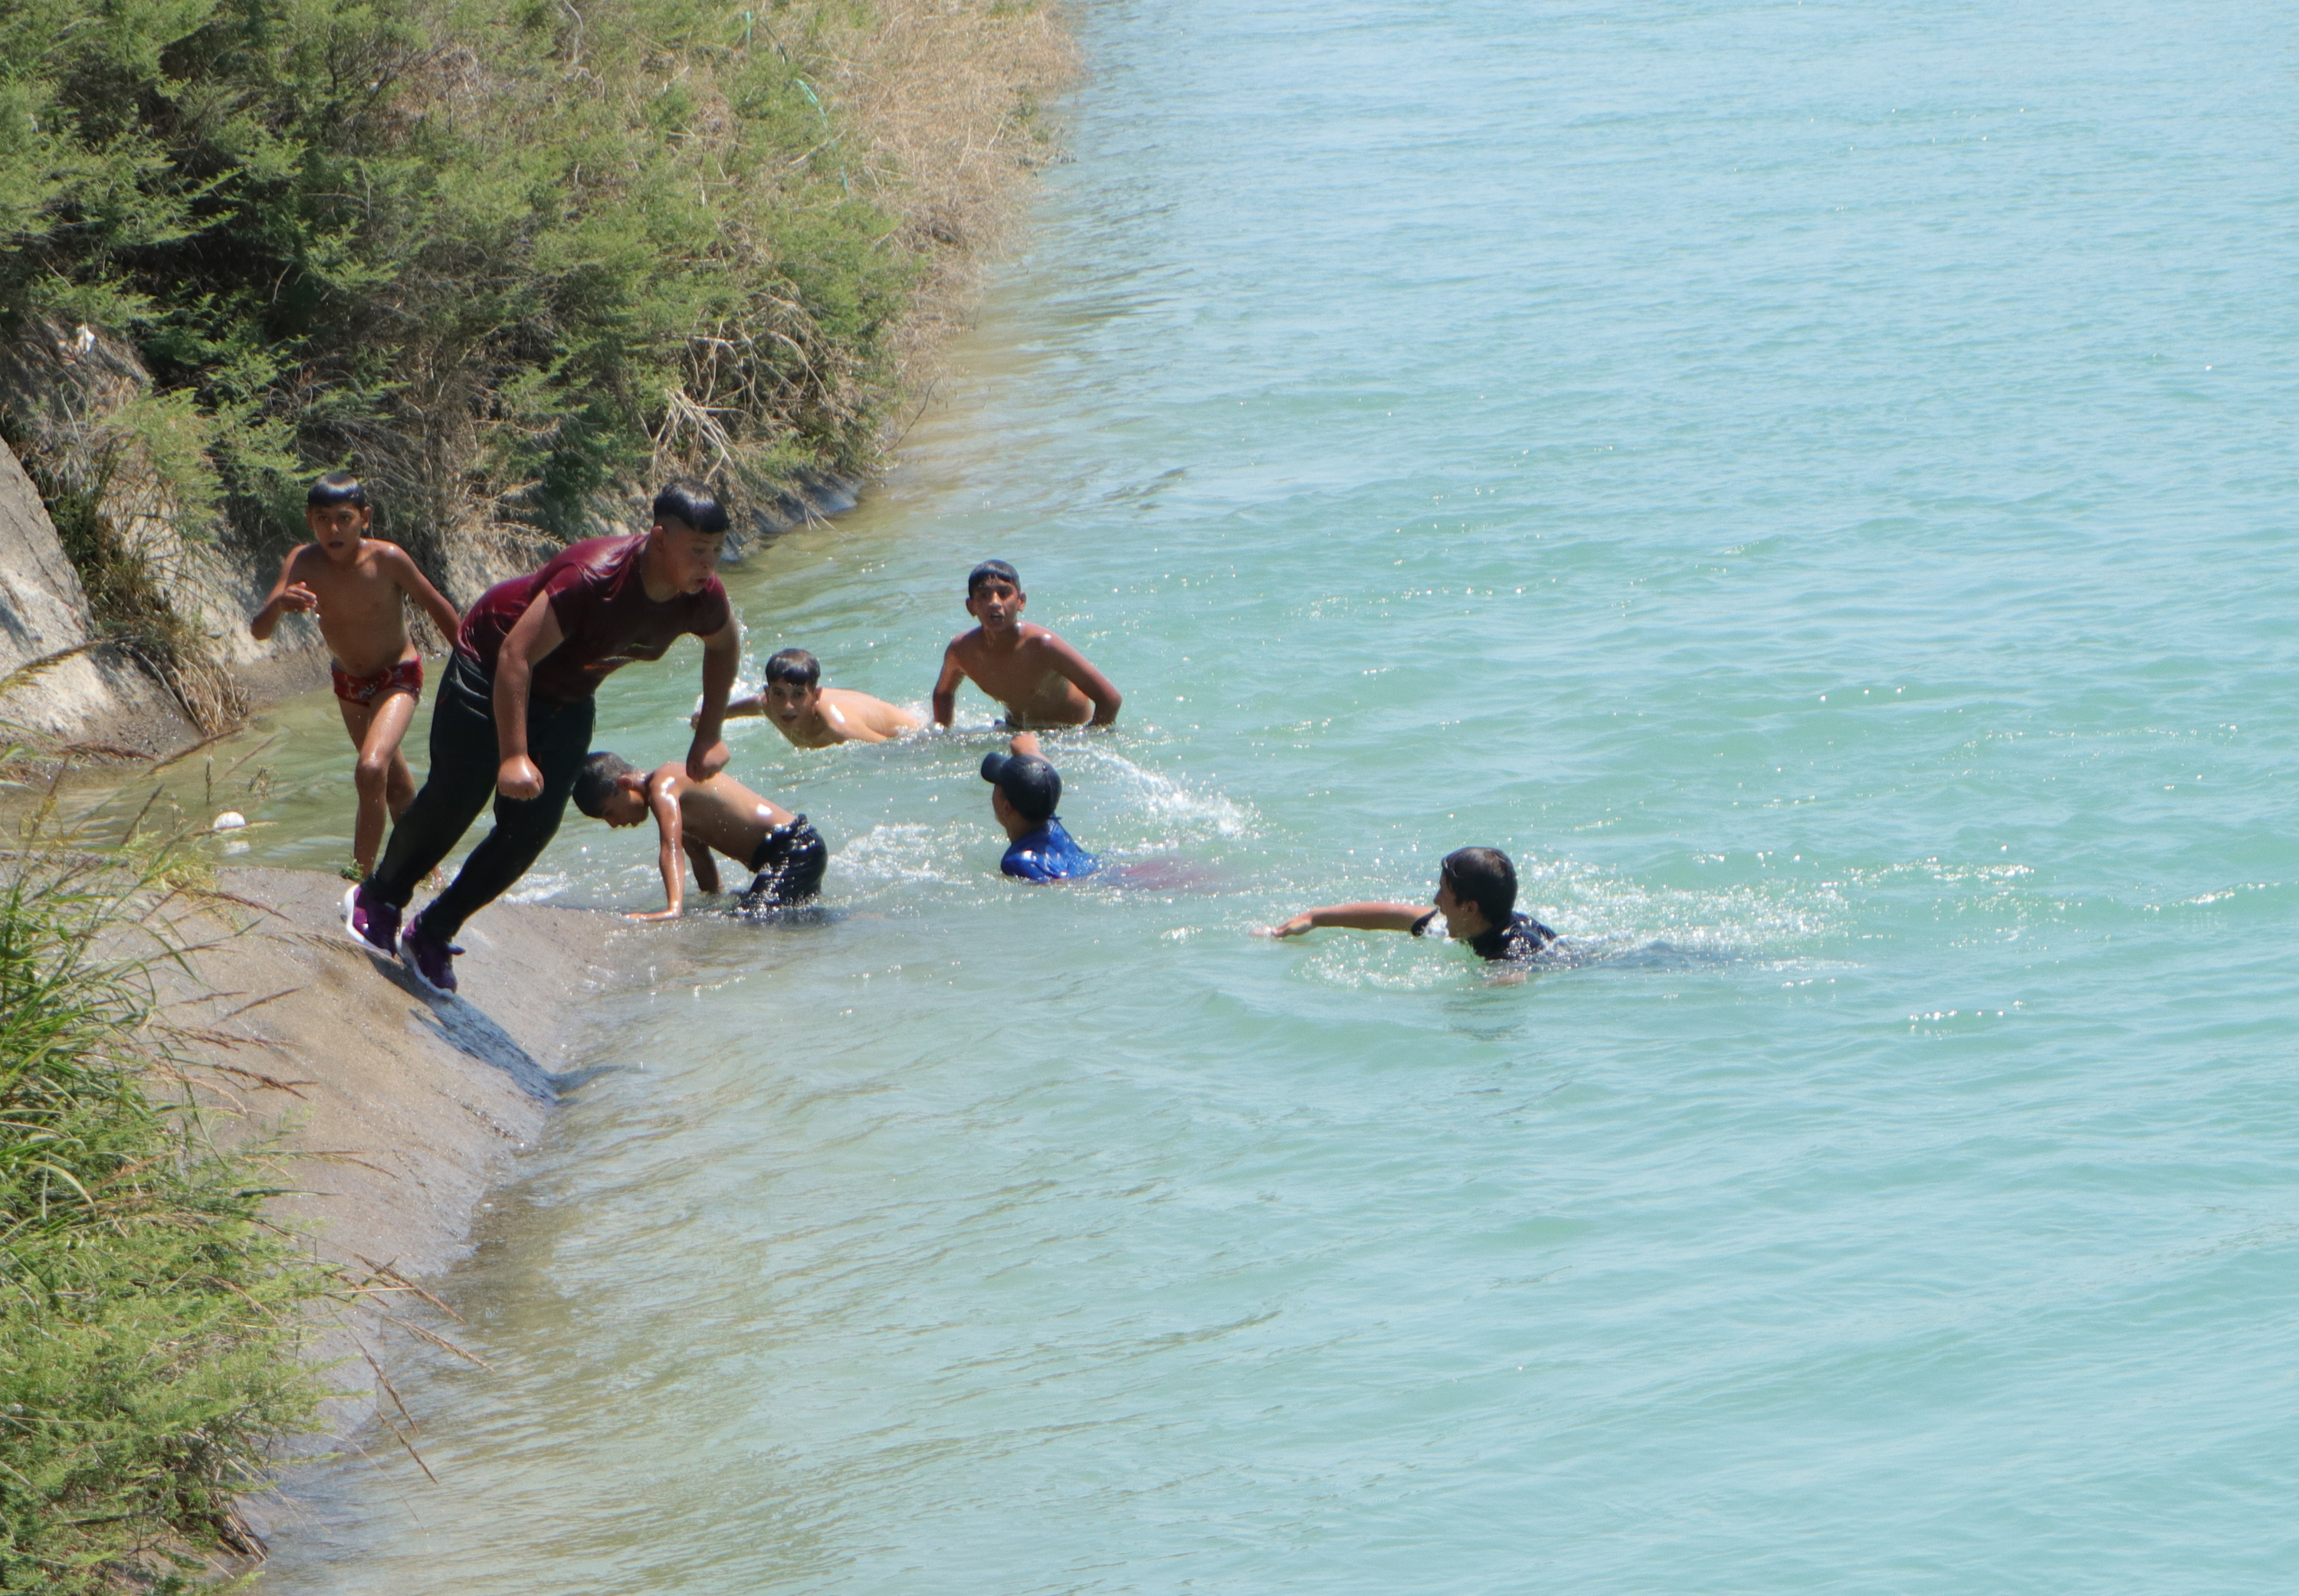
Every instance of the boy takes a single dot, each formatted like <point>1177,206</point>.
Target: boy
<point>513,717</point>
<point>1476,893</point>
<point>815,716</point>
<point>1040,679</point>
<point>784,850</point>
<point>1024,791</point>
<point>356,587</point>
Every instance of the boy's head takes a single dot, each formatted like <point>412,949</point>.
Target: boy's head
<point>1481,878</point>
<point>792,686</point>
<point>994,595</point>
<point>336,510</point>
<point>1024,787</point>
<point>609,788</point>
<point>689,532</point>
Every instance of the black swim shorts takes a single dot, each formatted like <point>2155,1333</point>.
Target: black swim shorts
<point>790,861</point>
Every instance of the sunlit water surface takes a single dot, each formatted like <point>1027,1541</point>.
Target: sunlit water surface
<point>1812,481</point>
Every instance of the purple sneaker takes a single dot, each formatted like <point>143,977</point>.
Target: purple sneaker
<point>373,922</point>
<point>431,960</point>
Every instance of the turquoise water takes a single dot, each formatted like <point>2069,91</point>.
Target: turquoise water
<point>1812,481</point>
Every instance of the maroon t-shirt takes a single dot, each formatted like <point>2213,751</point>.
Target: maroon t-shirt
<point>598,595</point>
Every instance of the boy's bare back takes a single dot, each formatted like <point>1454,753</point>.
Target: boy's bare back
<point>721,812</point>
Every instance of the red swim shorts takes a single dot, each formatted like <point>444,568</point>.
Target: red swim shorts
<point>406,676</point>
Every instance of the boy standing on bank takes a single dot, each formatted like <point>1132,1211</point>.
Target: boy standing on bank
<point>1041,680</point>
<point>357,588</point>
<point>784,853</point>
<point>513,719</point>
<point>815,716</point>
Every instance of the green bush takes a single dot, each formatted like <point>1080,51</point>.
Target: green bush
<point>497,256</point>
<point>148,1318</point>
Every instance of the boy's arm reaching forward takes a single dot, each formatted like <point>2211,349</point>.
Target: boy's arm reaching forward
<point>1356,916</point>
<point>662,799</point>
<point>945,691</point>
<point>1089,681</point>
<point>286,594</point>
<point>427,598</point>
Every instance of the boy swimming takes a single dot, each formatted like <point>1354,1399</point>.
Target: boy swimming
<point>356,587</point>
<point>694,818</point>
<point>513,718</point>
<point>1025,792</point>
<point>1040,679</point>
<point>1476,894</point>
<point>815,716</point>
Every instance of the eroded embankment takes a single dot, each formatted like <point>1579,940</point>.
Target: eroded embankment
<point>393,1111</point>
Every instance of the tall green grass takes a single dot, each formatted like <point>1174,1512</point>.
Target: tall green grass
<point>149,1319</point>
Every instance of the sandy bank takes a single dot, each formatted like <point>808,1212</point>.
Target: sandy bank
<point>396,1112</point>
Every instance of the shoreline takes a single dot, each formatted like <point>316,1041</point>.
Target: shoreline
<point>393,1113</point>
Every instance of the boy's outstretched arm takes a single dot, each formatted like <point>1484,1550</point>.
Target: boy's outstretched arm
<point>1359,917</point>
<point>670,828</point>
<point>750,705</point>
<point>945,691</point>
<point>286,595</point>
<point>429,599</point>
<point>1089,681</point>
<point>722,657</point>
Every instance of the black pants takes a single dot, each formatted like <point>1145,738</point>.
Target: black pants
<point>464,761</point>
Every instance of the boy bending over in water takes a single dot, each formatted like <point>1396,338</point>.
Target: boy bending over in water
<point>356,586</point>
<point>694,818</point>
<point>1476,894</point>
<point>815,716</point>
<point>1040,679</point>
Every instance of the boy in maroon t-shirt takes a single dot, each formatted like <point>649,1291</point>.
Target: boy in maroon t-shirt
<point>514,712</point>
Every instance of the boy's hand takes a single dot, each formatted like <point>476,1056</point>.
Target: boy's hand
<point>517,778</point>
<point>703,763</point>
<point>1307,921</point>
<point>657,914</point>
<point>298,596</point>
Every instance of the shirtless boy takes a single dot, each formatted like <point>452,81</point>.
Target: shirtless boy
<point>694,818</point>
<point>355,586</point>
<point>1476,895</point>
<point>815,716</point>
<point>1040,679</point>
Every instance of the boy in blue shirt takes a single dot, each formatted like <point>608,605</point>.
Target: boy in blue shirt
<point>1024,791</point>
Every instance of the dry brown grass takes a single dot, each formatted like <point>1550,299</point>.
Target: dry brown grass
<point>954,97</point>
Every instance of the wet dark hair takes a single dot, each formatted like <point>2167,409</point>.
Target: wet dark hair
<point>595,783</point>
<point>796,666</point>
<point>988,569</point>
<point>334,488</point>
<point>686,499</point>
<point>1032,786</point>
<point>1485,877</point>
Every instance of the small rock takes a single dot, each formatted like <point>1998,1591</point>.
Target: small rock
<point>231,820</point>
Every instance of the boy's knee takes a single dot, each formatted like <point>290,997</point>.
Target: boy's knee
<point>369,776</point>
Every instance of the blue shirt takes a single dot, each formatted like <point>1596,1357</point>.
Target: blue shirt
<point>1048,853</point>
